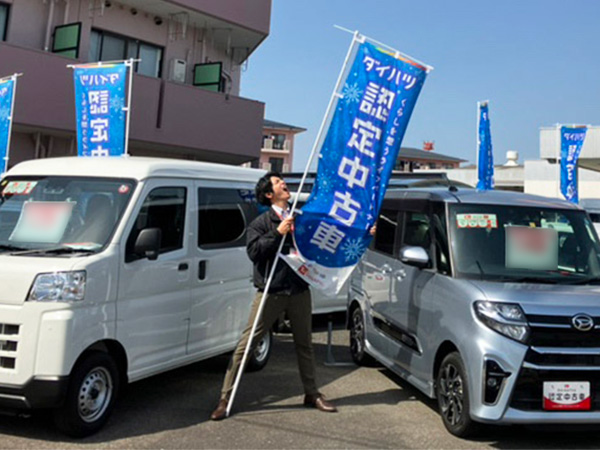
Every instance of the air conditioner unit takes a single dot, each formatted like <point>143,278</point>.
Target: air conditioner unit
<point>178,69</point>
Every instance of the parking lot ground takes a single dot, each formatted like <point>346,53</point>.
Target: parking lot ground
<point>376,410</point>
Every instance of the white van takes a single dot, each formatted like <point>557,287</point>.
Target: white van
<point>116,269</point>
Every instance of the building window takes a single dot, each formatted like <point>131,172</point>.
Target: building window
<point>278,141</point>
<point>67,39</point>
<point>209,76</point>
<point>3,21</point>
<point>106,46</point>
<point>276,164</point>
<point>432,165</point>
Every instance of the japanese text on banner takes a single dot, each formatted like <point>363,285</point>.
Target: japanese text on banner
<point>100,94</point>
<point>356,161</point>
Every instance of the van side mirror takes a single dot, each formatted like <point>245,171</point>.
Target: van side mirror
<point>147,243</point>
<point>414,256</point>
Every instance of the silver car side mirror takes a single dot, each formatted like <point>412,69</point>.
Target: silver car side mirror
<point>414,256</point>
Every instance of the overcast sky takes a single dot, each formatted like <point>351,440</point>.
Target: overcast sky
<point>536,61</point>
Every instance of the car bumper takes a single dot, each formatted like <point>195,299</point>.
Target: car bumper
<point>36,394</point>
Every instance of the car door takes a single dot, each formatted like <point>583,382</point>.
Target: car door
<point>222,289</point>
<point>376,270</point>
<point>153,307</point>
<point>411,286</point>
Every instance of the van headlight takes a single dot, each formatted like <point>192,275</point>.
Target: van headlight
<point>58,287</point>
<point>507,319</point>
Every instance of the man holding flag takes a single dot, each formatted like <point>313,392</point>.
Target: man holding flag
<point>367,118</point>
<point>287,292</point>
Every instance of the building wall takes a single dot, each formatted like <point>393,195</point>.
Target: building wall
<point>287,154</point>
<point>543,178</point>
<point>550,143</point>
<point>168,118</point>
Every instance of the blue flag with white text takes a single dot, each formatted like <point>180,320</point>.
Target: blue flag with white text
<point>571,141</point>
<point>485,158</point>
<point>7,91</point>
<point>355,163</point>
<point>100,93</point>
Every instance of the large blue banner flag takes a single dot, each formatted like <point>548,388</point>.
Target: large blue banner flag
<point>100,93</point>
<point>355,163</point>
<point>485,157</point>
<point>571,141</point>
<point>7,91</point>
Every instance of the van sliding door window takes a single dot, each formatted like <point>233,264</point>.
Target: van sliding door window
<point>223,215</point>
<point>163,208</point>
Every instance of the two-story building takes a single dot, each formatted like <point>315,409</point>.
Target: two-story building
<point>186,87</point>
<point>277,151</point>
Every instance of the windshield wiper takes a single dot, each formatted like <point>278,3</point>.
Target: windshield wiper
<point>58,251</point>
<point>530,279</point>
<point>10,248</point>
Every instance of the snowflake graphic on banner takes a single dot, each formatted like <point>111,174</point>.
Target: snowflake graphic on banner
<point>4,114</point>
<point>300,229</point>
<point>352,93</point>
<point>117,104</point>
<point>353,249</point>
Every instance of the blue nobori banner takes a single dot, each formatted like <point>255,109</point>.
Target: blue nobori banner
<point>355,163</point>
<point>100,96</point>
<point>7,92</point>
<point>571,141</point>
<point>485,157</point>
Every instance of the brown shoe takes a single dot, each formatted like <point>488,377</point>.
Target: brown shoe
<point>220,412</point>
<point>319,402</point>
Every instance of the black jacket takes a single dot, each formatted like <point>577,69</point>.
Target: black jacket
<point>263,240</point>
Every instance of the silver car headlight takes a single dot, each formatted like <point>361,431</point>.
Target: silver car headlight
<point>507,319</point>
<point>58,287</point>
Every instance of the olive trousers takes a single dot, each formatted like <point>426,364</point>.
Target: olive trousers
<point>298,308</point>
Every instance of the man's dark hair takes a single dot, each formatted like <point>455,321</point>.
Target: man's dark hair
<point>264,186</point>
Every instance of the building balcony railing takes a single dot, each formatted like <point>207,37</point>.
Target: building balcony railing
<point>166,116</point>
<point>271,144</point>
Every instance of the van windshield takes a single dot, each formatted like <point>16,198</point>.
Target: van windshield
<point>523,244</point>
<point>66,214</point>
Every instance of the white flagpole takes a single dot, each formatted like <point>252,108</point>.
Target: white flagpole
<point>558,160</point>
<point>336,95</point>
<point>12,114</point>
<point>478,144</point>
<point>129,64</point>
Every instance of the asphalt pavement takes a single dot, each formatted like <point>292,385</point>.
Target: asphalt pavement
<point>376,410</point>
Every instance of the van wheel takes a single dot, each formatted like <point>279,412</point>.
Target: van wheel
<point>358,339</point>
<point>453,396</point>
<point>260,354</point>
<point>90,397</point>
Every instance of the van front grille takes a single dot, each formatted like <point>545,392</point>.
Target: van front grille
<point>557,331</point>
<point>9,329</point>
<point>9,343</point>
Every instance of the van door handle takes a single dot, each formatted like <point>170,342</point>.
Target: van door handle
<point>202,270</point>
<point>183,267</point>
<point>385,269</point>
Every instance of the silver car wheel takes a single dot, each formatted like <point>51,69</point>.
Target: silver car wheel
<point>95,394</point>
<point>357,334</point>
<point>261,351</point>
<point>452,394</point>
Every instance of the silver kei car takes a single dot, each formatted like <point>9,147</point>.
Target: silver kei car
<point>487,301</point>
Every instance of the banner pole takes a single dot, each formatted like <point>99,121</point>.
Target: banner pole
<point>129,64</point>
<point>558,160</point>
<point>12,115</point>
<point>261,306</point>
<point>477,143</point>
